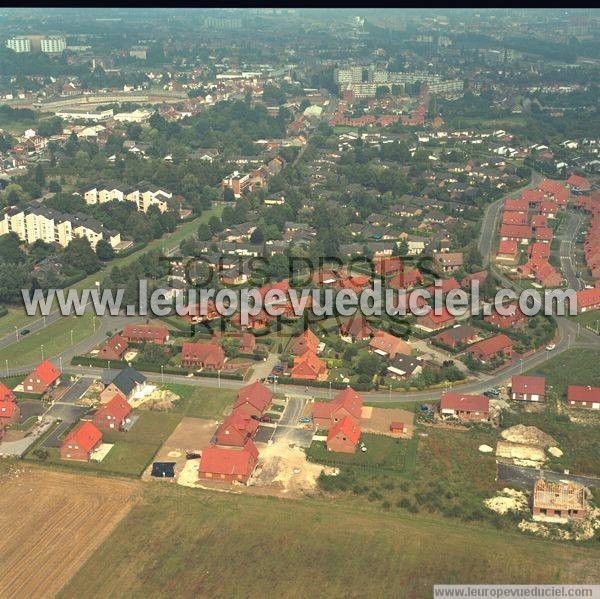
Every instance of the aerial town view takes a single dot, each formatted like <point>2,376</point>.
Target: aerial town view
<point>306,296</point>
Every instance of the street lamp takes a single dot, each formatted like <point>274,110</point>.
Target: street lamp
<point>329,389</point>
<point>71,337</point>
<point>162,374</point>
<point>17,332</point>
<point>60,362</point>
<point>521,362</point>
<point>219,377</point>
<point>6,367</point>
<point>42,349</point>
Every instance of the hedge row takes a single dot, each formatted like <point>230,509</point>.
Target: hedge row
<point>284,380</point>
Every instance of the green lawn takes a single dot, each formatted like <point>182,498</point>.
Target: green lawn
<point>576,366</point>
<point>201,402</point>
<point>382,452</point>
<point>589,319</point>
<point>16,317</point>
<point>181,542</point>
<point>55,338</point>
<point>132,451</point>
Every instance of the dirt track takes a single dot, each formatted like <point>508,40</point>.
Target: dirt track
<point>51,524</point>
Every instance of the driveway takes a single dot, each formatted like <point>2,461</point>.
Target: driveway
<point>288,430</point>
<point>76,390</point>
<point>263,369</point>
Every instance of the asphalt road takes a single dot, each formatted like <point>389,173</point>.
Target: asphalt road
<point>569,230</point>
<point>525,477</point>
<point>492,213</point>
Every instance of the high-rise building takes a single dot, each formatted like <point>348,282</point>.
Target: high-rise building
<point>19,44</point>
<point>53,45</point>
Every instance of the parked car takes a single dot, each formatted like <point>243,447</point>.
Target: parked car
<point>265,419</point>
<point>304,420</point>
<point>447,363</point>
<point>551,346</point>
<point>25,332</point>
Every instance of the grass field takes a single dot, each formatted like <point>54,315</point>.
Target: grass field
<point>55,338</point>
<point>576,366</point>
<point>132,451</point>
<point>382,452</point>
<point>589,319</point>
<point>201,402</point>
<point>16,317</point>
<point>183,542</point>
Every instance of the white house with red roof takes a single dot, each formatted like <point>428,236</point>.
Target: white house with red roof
<point>582,396</point>
<point>343,436</point>
<point>474,408</point>
<point>230,464</point>
<point>528,388</point>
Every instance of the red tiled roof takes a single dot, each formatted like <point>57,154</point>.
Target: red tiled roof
<point>492,345</point>
<point>528,384</point>
<point>46,372</point>
<point>445,316</point>
<point>256,394</point>
<point>86,437</point>
<point>7,409</point>
<point>229,461</point>
<point>578,181</point>
<point>309,361</point>
<point>387,343</point>
<point>117,407</point>
<point>347,427</point>
<point>516,205</point>
<point>145,332</point>
<point>583,393</point>
<point>508,247</point>
<point>586,298</point>
<point>6,394</point>
<point>515,231</point>
<point>464,403</point>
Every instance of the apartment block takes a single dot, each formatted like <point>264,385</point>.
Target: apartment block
<point>38,223</point>
<point>143,194</point>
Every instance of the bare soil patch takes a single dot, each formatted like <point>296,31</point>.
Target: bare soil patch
<point>52,523</point>
<point>378,420</point>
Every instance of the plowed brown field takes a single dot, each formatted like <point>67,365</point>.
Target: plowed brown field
<point>51,523</point>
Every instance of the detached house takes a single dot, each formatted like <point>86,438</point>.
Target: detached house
<point>309,367</point>
<point>9,413</point>
<point>457,335</point>
<point>347,403</point>
<point>80,443</point>
<point>237,428</point>
<point>113,415</point>
<point>307,341</point>
<point>125,384</point>
<point>528,388</point>
<point>558,501</point>
<point>145,333</point>
<point>230,464</point>
<point>387,345</point>
<point>474,408</point>
<point>253,399</point>
<point>581,396</point>
<point>202,355</point>
<point>113,349</point>
<point>491,348</point>
<point>344,436</point>
<point>43,379</point>
<point>356,328</point>
<point>448,262</point>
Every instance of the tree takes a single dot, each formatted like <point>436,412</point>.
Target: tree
<point>40,177</point>
<point>54,187</point>
<point>228,195</point>
<point>215,224</point>
<point>104,250</point>
<point>12,280</point>
<point>204,232</point>
<point>79,255</point>
<point>10,250</point>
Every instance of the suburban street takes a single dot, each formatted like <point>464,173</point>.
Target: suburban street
<point>568,232</point>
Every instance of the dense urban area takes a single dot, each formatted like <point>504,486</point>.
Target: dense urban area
<point>281,150</point>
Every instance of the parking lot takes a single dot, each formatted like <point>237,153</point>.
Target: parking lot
<point>287,429</point>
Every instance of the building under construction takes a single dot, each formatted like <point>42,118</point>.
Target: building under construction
<point>558,501</point>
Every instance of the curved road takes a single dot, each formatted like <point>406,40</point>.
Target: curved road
<point>569,335</point>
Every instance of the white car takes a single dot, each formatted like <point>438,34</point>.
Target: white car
<point>551,347</point>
